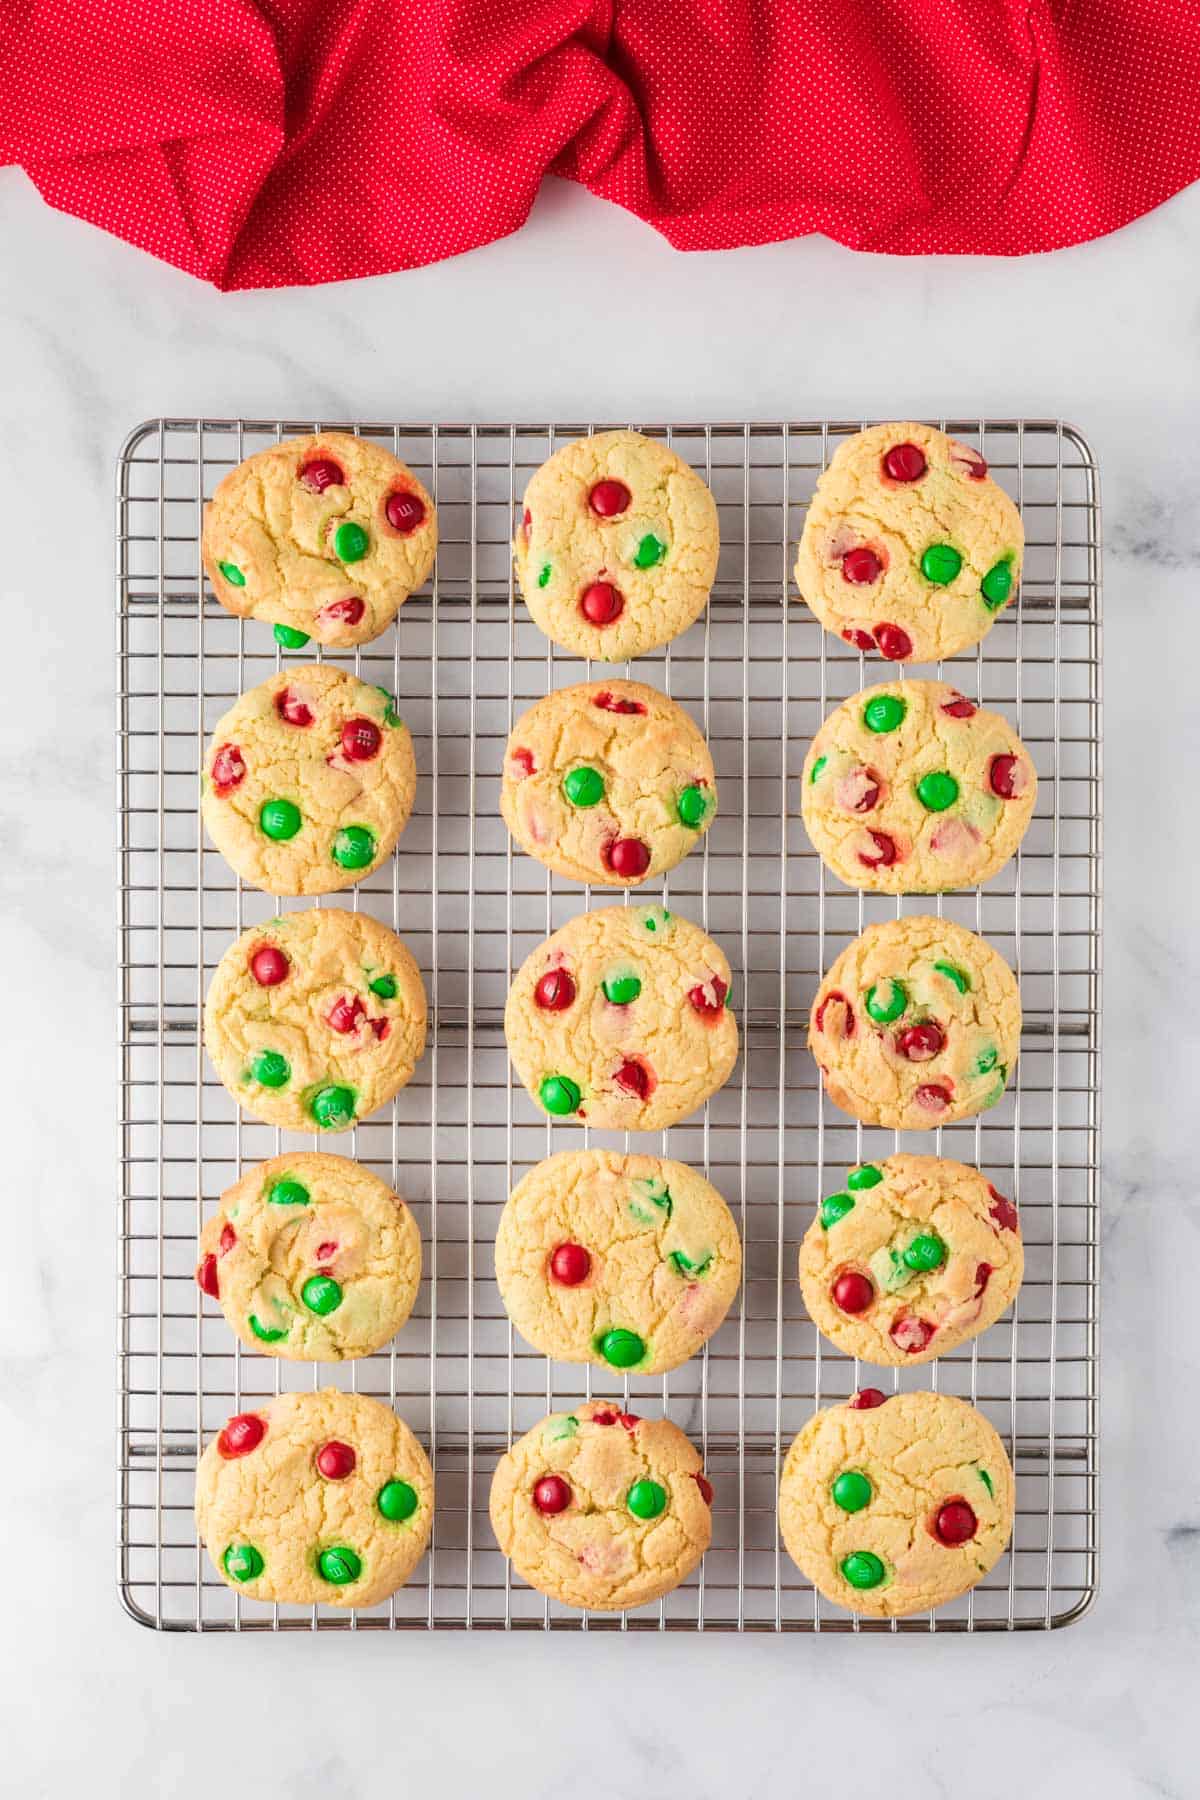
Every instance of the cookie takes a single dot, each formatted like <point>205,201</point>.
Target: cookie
<point>917,1024</point>
<point>910,788</point>
<point>608,782</point>
<point>914,1256</point>
<point>311,1256</point>
<point>315,1497</point>
<point>600,1509</point>
<point>308,781</point>
<point>315,1019</point>
<point>909,546</point>
<point>621,1020</point>
<point>617,546</point>
<point>325,537</point>
<point>896,1505</point>
<point>628,1262</point>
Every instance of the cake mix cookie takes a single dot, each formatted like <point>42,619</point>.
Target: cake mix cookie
<point>315,1019</point>
<point>912,1257</point>
<point>617,546</point>
<point>909,547</point>
<point>629,1262</point>
<point>308,781</point>
<point>315,1497</point>
<point>621,1020</point>
<point>607,782</point>
<point>325,537</point>
<point>910,788</point>
<point>917,1024</point>
<point>894,1506</point>
<point>600,1509</point>
<point>311,1256</point>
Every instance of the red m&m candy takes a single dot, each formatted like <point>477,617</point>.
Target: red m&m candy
<point>1006,778</point>
<point>521,763</point>
<point>404,511</point>
<point>570,1264</point>
<point>610,703</point>
<point>320,473</point>
<point>627,857</point>
<point>608,499</point>
<point>933,1097</point>
<point>268,965</point>
<point>836,998</point>
<point>555,991</point>
<point>894,642</point>
<point>228,1239</point>
<point>954,1522</point>
<point>853,1291</point>
<point>336,1460</point>
<point>882,853</point>
<point>243,1433</point>
<point>291,709</point>
<point>633,1077</point>
<point>905,462</point>
<point>911,1334</point>
<point>958,707</point>
<point>862,640</point>
<point>866,1398</point>
<point>361,739</point>
<point>344,612</point>
<point>345,1013</point>
<point>551,1494</point>
<point>601,603</point>
<point>861,566</point>
<point>228,770</point>
<point>206,1276</point>
<point>709,998</point>
<point>705,1486</point>
<point>1003,1211</point>
<point>920,1042</point>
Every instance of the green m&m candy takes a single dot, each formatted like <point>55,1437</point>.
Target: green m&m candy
<point>683,1265</point>
<point>835,1207</point>
<point>940,564</point>
<point>279,820</point>
<point>544,574</point>
<point>333,1107</point>
<point>243,1562</point>
<point>621,990</point>
<point>559,1095</point>
<point>953,973</point>
<point>391,716</point>
<point>997,584</point>
<point>287,1191</point>
<point>986,1480</point>
<point>863,1569</point>
<point>937,790</point>
<point>353,847</point>
<point>851,1490</point>
<point>650,551</point>
<point>583,786</point>
<point>986,1060</point>
<point>865,1176</point>
<point>646,1499</point>
<point>884,713</point>
<point>815,771</point>
<point>232,574</point>
<point>621,1348</point>
<point>270,1068</point>
<point>885,1001</point>
<point>289,638</point>
<point>397,1501</point>
<point>321,1294</point>
<point>692,806</point>
<point>924,1253</point>
<point>266,1334</point>
<point>384,987</point>
<point>350,542</point>
<point>339,1565</point>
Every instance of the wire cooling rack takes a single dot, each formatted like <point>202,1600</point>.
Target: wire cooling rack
<point>758,674</point>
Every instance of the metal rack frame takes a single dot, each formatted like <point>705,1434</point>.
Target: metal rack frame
<point>758,674</point>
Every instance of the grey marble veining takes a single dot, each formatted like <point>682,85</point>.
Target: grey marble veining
<point>587,312</point>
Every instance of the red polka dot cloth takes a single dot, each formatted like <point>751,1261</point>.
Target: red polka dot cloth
<point>260,143</point>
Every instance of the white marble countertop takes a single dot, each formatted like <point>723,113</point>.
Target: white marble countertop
<point>587,311</point>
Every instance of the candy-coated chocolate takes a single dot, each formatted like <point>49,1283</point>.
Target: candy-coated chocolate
<point>228,770</point>
<point>925,1252</point>
<point>269,965</point>
<point>232,574</point>
<point>893,641</point>
<point>397,1501</point>
<point>279,820</point>
<point>266,1334</point>
<point>551,1494</point>
<point>866,1398</point>
<point>921,1042</point>
<point>336,1460</point>
<point>958,977</point>
<point>621,1348</point>
<point>384,987</point>
<point>243,1562</point>
<point>863,1569</point>
<point>270,1068</point>
<point>650,551</point>
<point>289,1192</point>
<point>609,499</point>
<point>853,1291</point>
<point>319,473</point>
<point>886,1001</point>
<point>709,997</point>
<point>955,1522</point>
<point>937,790</point>
<point>333,1107</point>
<point>404,510</point>
<point>353,847</point>
<point>958,707</point>
<point>905,462</point>
<point>555,991</point>
<point>706,1490</point>
<point>206,1276</point>
<point>634,1077</point>
<point>628,857</point>
<point>692,806</point>
<point>865,1176</point>
<point>835,1207</point>
<point>570,1264</point>
<point>344,612</point>
<point>997,584</point>
<point>940,563</point>
<point>289,638</point>
<point>559,1095</point>
<point>621,990</point>
<point>361,739</point>
<point>884,713</point>
<point>851,1491</point>
<point>321,1294</point>
<point>646,1499</point>
<point>861,566</point>
<point>241,1434</point>
<point>340,1565</point>
<point>350,542</point>
<point>601,603</point>
<point>583,786</point>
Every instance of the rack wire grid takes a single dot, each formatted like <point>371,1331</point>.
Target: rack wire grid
<point>759,674</point>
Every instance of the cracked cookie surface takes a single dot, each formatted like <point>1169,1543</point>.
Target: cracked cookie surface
<point>909,546</point>
<point>315,1497</point>
<point>617,547</point>
<point>607,782</point>
<point>894,1505</point>
<point>311,1256</point>
<point>620,1019</point>
<point>308,781</point>
<point>915,1255</point>
<point>601,1509</point>
<point>629,1262</point>
<point>324,537</point>
<point>917,1024</point>
<point>315,1019</point>
<point>909,788</point>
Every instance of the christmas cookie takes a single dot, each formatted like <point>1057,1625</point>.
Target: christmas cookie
<point>894,1506</point>
<point>311,1256</point>
<point>909,546</point>
<point>608,782</point>
<point>629,1262</point>
<point>308,781</point>
<point>915,1255</point>
<point>315,1497</point>
<point>909,788</point>
<point>325,537</point>
<point>315,1019</point>
<point>600,1509</point>
<point>617,546</point>
<point>917,1024</point>
<point>620,1020</point>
